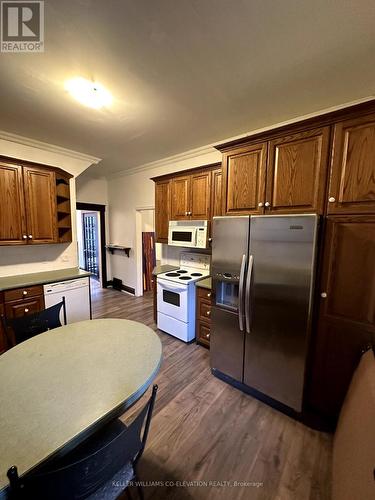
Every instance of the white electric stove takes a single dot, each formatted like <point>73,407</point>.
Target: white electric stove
<point>176,295</point>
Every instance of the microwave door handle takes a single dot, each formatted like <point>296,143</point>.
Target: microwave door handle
<point>240,292</point>
<point>247,293</point>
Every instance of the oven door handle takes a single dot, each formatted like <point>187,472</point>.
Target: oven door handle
<point>171,288</point>
<point>240,292</point>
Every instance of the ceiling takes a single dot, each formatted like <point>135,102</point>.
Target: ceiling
<point>185,73</point>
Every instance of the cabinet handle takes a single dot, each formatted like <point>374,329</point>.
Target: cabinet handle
<point>190,213</point>
<point>26,310</point>
<point>323,295</point>
<point>24,292</point>
<point>207,335</point>
<point>260,204</point>
<point>331,199</point>
<point>267,204</point>
<point>208,313</point>
<point>186,213</point>
<point>209,295</point>
<point>30,236</point>
<point>24,236</point>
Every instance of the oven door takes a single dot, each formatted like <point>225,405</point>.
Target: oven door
<point>180,236</point>
<point>172,299</point>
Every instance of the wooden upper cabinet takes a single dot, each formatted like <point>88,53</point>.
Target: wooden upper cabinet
<point>244,175</point>
<point>180,197</point>
<point>41,211</point>
<point>200,197</point>
<point>162,208</point>
<point>297,172</point>
<point>12,209</point>
<point>347,308</point>
<point>352,184</point>
<point>216,192</point>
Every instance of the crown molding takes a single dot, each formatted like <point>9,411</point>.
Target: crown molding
<point>186,155</point>
<point>52,148</point>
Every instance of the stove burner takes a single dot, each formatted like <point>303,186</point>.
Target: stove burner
<point>196,274</point>
<point>185,278</point>
<point>181,271</point>
<point>172,275</point>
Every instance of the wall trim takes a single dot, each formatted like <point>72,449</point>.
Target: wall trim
<point>52,148</point>
<point>210,148</point>
<point>186,155</point>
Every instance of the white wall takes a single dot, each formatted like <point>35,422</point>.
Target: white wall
<point>25,259</point>
<point>95,190</point>
<point>128,193</point>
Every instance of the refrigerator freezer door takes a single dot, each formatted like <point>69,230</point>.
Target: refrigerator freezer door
<point>229,256</point>
<point>226,343</point>
<point>230,237</point>
<point>283,252</point>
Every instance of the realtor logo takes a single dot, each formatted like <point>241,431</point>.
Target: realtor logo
<point>22,26</point>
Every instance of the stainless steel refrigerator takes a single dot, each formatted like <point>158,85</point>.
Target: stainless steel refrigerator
<point>263,271</point>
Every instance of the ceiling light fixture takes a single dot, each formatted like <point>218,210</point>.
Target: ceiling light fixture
<point>89,93</point>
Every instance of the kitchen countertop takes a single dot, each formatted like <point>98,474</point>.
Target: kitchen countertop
<point>163,269</point>
<point>23,280</point>
<point>206,283</point>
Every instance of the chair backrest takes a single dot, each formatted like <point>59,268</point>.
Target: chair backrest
<point>82,478</point>
<point>30,325</point>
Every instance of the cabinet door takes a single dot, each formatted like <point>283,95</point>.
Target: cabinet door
<point>200,201</point>
<point>180,198</point>
<point>162,207</point>
<point>12,206</point>
<point>21,308</point>
<point>3,341</point>
<point>347,313</point>
<point>352,186</point>
<point>297,172</point>
<point>244,174</point>
<point>216,195</point>
<point>41,211</point>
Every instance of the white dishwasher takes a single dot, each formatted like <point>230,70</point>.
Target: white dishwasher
<point>77,298</point>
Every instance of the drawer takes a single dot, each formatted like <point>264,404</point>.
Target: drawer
<point>23,293</point>
<point>204,310</point>
<point>19,308</point>
<point>203,333</point>
<point>204,293</point>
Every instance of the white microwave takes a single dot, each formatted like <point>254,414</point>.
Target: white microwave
<point>192,234</point>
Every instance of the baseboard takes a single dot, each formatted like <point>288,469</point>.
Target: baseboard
<point>124,288</point>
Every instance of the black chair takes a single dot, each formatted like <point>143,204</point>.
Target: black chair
<point>30,325</point>
<point>101,468</point>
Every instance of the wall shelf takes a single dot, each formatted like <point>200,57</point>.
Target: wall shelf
<point>112,248</point>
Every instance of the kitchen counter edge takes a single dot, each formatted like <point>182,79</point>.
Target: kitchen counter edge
<point>43,278</point>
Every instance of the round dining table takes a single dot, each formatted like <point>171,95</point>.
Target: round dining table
<point>60,386</point>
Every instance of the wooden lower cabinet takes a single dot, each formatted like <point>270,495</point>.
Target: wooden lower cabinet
<point>346,323</point>
<point>22,301</point>
<point>203,314</point>
<point>3,339</point>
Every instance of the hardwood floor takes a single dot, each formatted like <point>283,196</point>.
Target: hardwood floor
<point>204,430</point>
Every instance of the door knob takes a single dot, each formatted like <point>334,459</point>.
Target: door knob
<point>323,295</point>
<point>260,204</point>
<point>267,204</point>
<point>26,310</point>
<point>331,199</point>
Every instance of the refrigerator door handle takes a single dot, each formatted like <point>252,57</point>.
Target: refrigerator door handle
<point>247,293</point>
<point>240,292</point>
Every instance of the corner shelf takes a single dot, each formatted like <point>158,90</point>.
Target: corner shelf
<point>112,248</point>
<point>64,223</point>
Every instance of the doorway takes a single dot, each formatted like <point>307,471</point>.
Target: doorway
<point>91,240</point>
